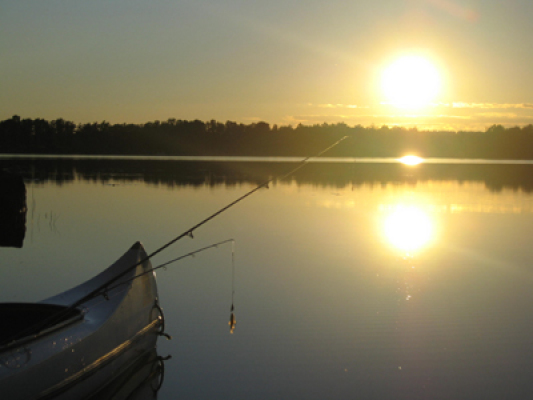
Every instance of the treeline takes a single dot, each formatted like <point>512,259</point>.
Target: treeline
<point>213,138</point>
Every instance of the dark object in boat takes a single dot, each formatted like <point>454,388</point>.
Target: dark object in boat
<point>68,352</point>
<point>30,319</point>
<point>12,210</point>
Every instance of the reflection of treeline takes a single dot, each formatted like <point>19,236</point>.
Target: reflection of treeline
<point>198,174</point>
<point>179,137</point>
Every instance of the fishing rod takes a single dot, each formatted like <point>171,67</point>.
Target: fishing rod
<point>104,288</point>
<point>189,232</point>
<point>164,265</point>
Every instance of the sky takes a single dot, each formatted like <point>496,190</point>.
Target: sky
<point>282,62</point>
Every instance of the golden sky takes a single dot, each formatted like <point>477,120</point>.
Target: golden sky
<point>283,62</point>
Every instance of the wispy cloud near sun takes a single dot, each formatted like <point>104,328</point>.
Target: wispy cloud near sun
<point>491,105</point>
<point>352,106</point>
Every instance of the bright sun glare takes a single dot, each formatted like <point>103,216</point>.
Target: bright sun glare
<point>408,228</point>
<point>411,82</point>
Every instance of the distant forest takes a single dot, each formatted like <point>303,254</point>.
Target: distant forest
<point>212,138</point>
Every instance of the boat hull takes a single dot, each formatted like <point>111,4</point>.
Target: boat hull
<point>113,331</point>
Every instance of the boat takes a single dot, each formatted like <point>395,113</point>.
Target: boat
<point>78,340</point>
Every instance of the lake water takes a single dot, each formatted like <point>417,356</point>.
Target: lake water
<point>351,280</point>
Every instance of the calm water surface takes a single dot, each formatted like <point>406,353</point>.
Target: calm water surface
<point>398,283</point>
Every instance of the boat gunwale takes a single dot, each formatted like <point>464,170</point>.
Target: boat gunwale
<point>101,362</point>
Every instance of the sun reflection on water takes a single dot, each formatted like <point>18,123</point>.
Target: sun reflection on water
<point>408,228</point>
<point>411,160</point>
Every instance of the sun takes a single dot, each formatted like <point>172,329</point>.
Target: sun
<point>411,82</point>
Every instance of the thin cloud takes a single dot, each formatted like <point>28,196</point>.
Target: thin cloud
<point>497,115</point>
<point>491,105</point>
<point>351,106</point>
<point>318,119</point>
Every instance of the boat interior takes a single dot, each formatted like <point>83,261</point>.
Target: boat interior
<point>20,320</point>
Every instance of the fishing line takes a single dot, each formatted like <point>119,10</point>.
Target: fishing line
<point>232,273</point>
<point>232,321</point>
